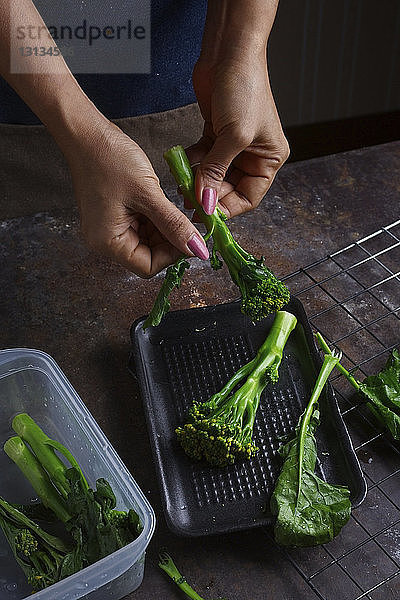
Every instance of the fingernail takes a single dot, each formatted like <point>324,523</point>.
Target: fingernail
<point>197,246</point>
<point>209,200</point>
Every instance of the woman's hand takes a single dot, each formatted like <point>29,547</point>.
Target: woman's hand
<point>124,212</point>
<point>243,145</point>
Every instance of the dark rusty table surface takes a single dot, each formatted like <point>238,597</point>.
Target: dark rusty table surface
<point>57,296</point>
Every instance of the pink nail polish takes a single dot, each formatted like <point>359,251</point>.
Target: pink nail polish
<point>209,200</point>
<point>198,247</point>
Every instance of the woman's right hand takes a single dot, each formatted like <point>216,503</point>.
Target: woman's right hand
<point>124,212</point>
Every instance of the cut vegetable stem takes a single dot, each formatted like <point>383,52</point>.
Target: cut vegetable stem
<point>30,466</point>
<point>26,428</point>
<point>330,362</point>
<point>324,346</point>
<point>168,566</point>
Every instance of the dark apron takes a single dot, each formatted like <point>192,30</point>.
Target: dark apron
<point>34,176</point>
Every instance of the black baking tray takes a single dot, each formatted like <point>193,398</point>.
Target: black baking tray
<point>188,357</point>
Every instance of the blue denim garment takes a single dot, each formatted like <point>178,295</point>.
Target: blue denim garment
<point>176,32</point>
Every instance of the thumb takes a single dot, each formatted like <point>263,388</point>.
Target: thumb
<point>213,167</point>
<point>178,229</point>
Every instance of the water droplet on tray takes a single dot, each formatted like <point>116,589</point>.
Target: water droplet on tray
<point>82,585</point>
<point>364,456</point>
<point>11,587</point>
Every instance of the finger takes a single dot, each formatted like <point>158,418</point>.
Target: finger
<point>213,168</point>
<point>195,154</point>
<point>128,251</point>
<point>175,226</point>
<point>250,178</point>
<point>253,161</point>
<point>245,196</point>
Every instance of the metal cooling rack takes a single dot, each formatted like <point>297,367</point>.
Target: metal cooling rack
<point>353,298</point>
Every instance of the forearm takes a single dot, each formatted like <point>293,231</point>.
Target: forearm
<point>235,28</point>
<point>45,83</point>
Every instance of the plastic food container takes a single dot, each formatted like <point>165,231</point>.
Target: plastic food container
<point>31,381</point>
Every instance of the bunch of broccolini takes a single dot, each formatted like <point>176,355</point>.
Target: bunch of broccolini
<point>92,527</point>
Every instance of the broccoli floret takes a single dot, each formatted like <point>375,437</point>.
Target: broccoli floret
<point>262,293</point>
<point>44,558</point>
<point>221,429</point>
<point>26,543</point>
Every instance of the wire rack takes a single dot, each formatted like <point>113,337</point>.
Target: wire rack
<point>353,299</point>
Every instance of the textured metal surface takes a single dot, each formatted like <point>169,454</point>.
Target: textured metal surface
<point>58,297</point>
<point>358,309</point>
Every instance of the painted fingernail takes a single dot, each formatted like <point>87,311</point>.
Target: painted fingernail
<point>197,246</point>
<point>209,200</point>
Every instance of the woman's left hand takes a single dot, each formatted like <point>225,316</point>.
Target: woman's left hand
<point>243,145</point>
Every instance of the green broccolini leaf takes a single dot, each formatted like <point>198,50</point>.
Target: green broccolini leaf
<point>309,511</point>
<point>320,511</point>
<point>382,391</point>
<point>173,279</point>
<point>96,526</point>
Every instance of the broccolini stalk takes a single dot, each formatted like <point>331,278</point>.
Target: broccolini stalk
<point>330,362</point>
<point>28,463</point>
<point>382,391</point>
<point>221,429</point>
<point>89,515</point>
<point>26,428</point>
<point>309,511</point>
<point>168,566</point>
<point>173,279</point>
<point>262,293</point>
<point>44,449</point>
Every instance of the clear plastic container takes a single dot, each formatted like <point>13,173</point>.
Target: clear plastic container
<point>31,381</point>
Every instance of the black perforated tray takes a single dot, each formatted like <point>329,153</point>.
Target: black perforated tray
<point>188,357</point>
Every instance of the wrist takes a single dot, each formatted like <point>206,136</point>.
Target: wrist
<point>237,29</point>
<point>235,47</point>
<point>73,118</point>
